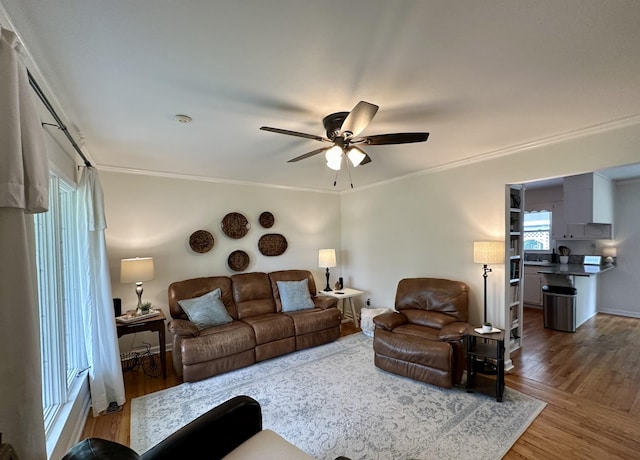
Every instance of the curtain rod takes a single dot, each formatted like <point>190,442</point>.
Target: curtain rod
<point>60,124</point>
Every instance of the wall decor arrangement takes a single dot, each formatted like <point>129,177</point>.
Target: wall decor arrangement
<point>266,219</point>
<point>235,225</point>
<point>272,244</point>
<point>201,241</point>
<point>238,260</point>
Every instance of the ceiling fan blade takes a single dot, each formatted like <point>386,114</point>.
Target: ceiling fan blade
<point>309,154</point>
<point>396,138</point>
<point>359,118</point>
<point>295,133</point>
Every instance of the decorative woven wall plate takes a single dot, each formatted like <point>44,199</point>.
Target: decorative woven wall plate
<point>238,261</point>
<point>267,219</point>
<point>201,241</point>
<point>272,244</point>
<point>235,225</point>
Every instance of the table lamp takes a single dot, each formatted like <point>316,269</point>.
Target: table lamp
<point>137,270</point>
<point>609,253</point>
<point>327,259</point>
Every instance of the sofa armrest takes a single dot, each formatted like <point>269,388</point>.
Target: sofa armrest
<point>214,434</point>
<point>325,302</point>
<point>390,320</point>
<point>183,328</point>
<point>454,331</point>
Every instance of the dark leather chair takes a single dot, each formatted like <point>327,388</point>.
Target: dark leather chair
<point>214,434</point>
<point>423,340</point>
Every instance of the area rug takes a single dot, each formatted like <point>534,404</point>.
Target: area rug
<point>331,400</point>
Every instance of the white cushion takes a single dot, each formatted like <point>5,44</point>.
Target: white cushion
<point>267,445</point>
<point>366,319</point>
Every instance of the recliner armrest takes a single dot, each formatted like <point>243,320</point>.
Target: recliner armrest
<point>454,331</point>
<point>325,302</point>
<point>390,320</point>
<point>214,434</point>
<point>183,328</point>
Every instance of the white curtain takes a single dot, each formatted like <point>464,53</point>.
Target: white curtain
<point>24,189</point>
<point>105,374</point>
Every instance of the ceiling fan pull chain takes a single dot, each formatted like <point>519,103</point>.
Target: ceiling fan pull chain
<point>335,179</point>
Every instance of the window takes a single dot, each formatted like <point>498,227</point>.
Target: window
<point>62,339</point>
<point>537,230</point>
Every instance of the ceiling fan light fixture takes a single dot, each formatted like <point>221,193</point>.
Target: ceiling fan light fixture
<point>335,163</point>
<point>333,154</point>
<point>356,156</point>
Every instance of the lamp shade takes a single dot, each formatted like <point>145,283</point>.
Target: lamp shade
<point>136,270</point>
<point>327,258</point>
<point>488,252</point>
<point>610,251</point>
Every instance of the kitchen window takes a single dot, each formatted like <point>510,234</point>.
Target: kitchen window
<point>537,230</point>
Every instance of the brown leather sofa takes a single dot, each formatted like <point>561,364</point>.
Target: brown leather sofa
<point>423,339</point>
<point>260,329</point>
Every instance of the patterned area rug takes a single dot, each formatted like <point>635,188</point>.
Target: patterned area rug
<point>331,400</point>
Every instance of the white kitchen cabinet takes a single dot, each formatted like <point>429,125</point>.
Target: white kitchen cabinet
<point>532,285</point>
<point>558,224</point>
<point>588,198</point>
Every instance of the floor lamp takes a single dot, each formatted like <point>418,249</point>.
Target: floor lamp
<point>487,252</point>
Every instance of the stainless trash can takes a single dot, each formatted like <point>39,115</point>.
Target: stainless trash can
<point>559,305</point>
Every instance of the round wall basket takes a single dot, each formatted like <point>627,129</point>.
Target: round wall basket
<point>235,225</point>
<point>266,219</point>
<point>238,261</point>
<point>272,244</point>
<point>201,241</point>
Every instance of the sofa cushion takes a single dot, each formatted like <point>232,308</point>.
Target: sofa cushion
<point>207,310</point>
<point>217,342</point>
<point>271,327</point>
<point>294,295</point>
<point>195,287</point>
<point>317,319</point>
<point>252,294</point>
<point>296,275</point>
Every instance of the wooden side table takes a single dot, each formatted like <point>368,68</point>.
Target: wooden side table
<point>155,323</point>
<point>483,350</point>
<point>342,295</point>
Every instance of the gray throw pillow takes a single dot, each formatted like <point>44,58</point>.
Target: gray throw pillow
<point>207,310</point>
<point>294,295</point>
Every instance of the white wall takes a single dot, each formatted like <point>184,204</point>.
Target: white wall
<point>617,288</point>
<point>154,216</point>
<point>425,225</point>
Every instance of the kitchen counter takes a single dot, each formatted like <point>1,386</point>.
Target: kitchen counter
<point>571,269</point>
<point>581,277</point>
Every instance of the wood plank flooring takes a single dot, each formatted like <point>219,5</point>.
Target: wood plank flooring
<point>590,381</point>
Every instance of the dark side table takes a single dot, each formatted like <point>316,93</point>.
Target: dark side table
<point>155,323</point>
<point>485,363</point>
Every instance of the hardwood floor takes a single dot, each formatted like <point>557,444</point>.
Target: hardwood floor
<point>590,381</point>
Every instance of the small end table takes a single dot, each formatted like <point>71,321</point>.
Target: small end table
<point>155,323</point>
<point>341,295</point>
<point>480,348</point>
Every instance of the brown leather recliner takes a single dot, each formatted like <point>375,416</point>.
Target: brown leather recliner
<point>423,340</point>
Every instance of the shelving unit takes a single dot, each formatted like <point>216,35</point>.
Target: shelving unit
<point>514,260</point>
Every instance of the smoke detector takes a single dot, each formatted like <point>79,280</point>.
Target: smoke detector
<point>183,118</point>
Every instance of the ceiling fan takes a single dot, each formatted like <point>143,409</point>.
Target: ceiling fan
<point>343,129</point>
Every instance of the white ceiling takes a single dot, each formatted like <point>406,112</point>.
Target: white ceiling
<point>481,76</point>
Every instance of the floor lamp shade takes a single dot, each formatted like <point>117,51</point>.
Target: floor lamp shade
<point>136,271</point>
<point>327,259</point>
<point>488,252</point>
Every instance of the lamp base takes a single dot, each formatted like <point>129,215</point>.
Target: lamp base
<point>327,288</point>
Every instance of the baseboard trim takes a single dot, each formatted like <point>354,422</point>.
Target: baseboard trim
<point>617,312</point>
